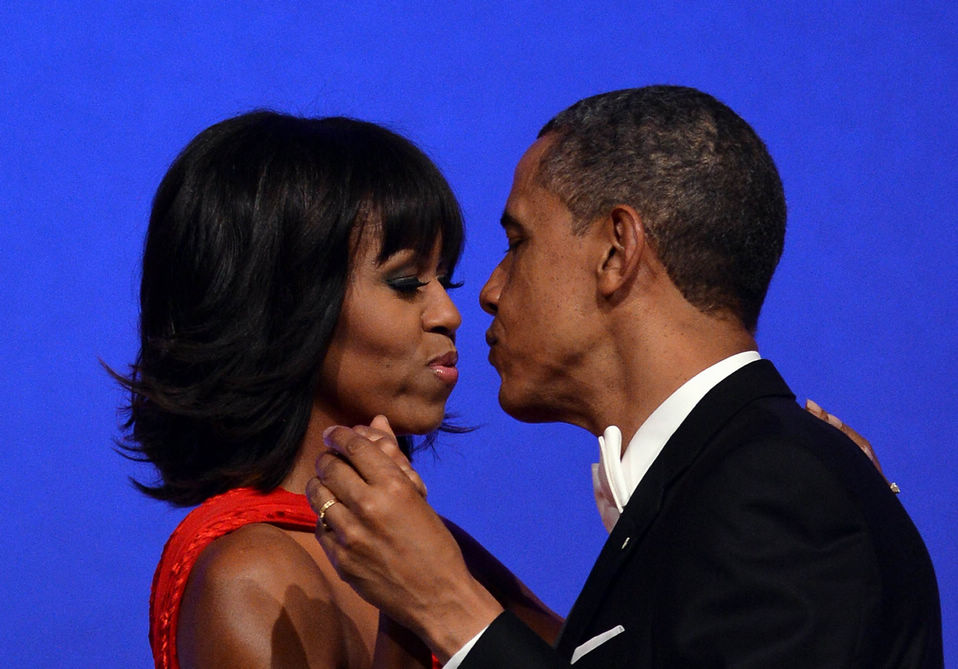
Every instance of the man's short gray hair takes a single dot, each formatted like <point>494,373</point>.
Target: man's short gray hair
<point>708,192</point>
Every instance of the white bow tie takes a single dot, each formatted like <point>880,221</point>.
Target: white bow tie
<point>608,478</point>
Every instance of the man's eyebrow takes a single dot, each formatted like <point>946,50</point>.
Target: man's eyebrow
<point>508,221</point>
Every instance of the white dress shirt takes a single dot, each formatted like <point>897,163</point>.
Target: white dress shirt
<point>618,473</point>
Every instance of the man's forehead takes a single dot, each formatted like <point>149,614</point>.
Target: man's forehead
<point>526,191</point>
<point>528,168</point>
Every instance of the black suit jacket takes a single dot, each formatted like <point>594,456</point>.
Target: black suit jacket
<point>760,537</point>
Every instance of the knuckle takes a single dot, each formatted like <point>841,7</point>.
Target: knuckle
<point>355,444</point>
<point>325,464</point>
<point>367,506</point>
<point>420,486</point>
<point>348,540</point>
<point>370,433</point>
<point>396,488</point>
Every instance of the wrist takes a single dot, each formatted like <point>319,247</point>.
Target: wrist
<point>453,625</point>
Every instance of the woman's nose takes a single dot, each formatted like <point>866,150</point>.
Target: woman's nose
<point>441,314</point>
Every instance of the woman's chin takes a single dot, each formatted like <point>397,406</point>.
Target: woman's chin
<point>416,425</point>
<point>417,430</point>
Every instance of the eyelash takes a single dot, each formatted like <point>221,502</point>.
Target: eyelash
<point>408,285</point>
<point>513,245</point>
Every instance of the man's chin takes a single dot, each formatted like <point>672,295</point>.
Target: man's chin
<point>524,407</point>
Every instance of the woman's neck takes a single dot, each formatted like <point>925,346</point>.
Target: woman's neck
<point>304,467</point>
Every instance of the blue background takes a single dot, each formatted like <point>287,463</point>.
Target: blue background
<point>855,100</point>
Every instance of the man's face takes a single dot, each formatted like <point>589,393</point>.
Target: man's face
<point>542,296</point>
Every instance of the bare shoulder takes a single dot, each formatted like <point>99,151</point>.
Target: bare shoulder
<point>256,597</point>
<point>258,556</point>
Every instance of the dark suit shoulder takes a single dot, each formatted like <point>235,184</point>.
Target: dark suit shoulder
<point>785,523</point>
<point>773,434</point>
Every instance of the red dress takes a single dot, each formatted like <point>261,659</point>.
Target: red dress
<point>212,519</point>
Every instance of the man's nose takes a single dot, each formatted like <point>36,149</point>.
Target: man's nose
<point>489,295</point>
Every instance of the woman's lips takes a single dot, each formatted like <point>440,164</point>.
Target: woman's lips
<point>444,367</point>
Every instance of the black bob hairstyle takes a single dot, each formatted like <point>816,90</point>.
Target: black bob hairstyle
<point>245,266</point>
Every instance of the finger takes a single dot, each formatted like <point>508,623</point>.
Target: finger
<point>380,432</point>
<point>380,438</point>
<point>813,408</point>
<point>336,474</point>
<point>324,503</point>
<point>336,525</point>
<point>867,449</point>
<point>381,423</point>
<point>855,436</point>
<point>863,444</point>
<point>314,493</point>
<point>388,445</point>
<point>366,458</point>
<point>833,420</point>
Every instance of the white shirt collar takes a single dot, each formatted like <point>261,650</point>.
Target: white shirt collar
<point>616,476</point>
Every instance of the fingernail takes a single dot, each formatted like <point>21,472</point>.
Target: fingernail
<point>326,434</point>
<point>833,420</point>
<point>810,404</point>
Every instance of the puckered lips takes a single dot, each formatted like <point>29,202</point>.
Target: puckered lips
<point>444,367</point>
<point>491,341</point>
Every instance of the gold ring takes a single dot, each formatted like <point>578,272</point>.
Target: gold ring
<point>322,512</point>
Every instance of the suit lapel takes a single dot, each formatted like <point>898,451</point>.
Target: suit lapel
<point>755,380</point>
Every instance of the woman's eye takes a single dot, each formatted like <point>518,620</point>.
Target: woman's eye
<point>447,283</point>
<point>406,285</point>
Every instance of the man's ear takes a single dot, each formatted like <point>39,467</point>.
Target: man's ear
<point>624,237</point>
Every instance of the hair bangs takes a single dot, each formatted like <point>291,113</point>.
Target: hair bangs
<point>413,207</point>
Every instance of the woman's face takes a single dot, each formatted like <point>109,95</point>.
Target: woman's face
<point>393,350</point>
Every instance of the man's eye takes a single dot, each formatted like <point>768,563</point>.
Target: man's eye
<point>406,284</point>
<point>513,245</point>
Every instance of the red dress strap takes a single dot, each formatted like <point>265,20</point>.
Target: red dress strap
<point>214,518</point>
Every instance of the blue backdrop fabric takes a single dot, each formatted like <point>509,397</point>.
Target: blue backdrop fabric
<point>855,100</point>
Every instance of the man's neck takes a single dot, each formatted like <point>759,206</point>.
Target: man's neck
<point>649,369</point>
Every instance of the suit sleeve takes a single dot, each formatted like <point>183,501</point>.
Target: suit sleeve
<point>773,566</point>
<point>508,644</point>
